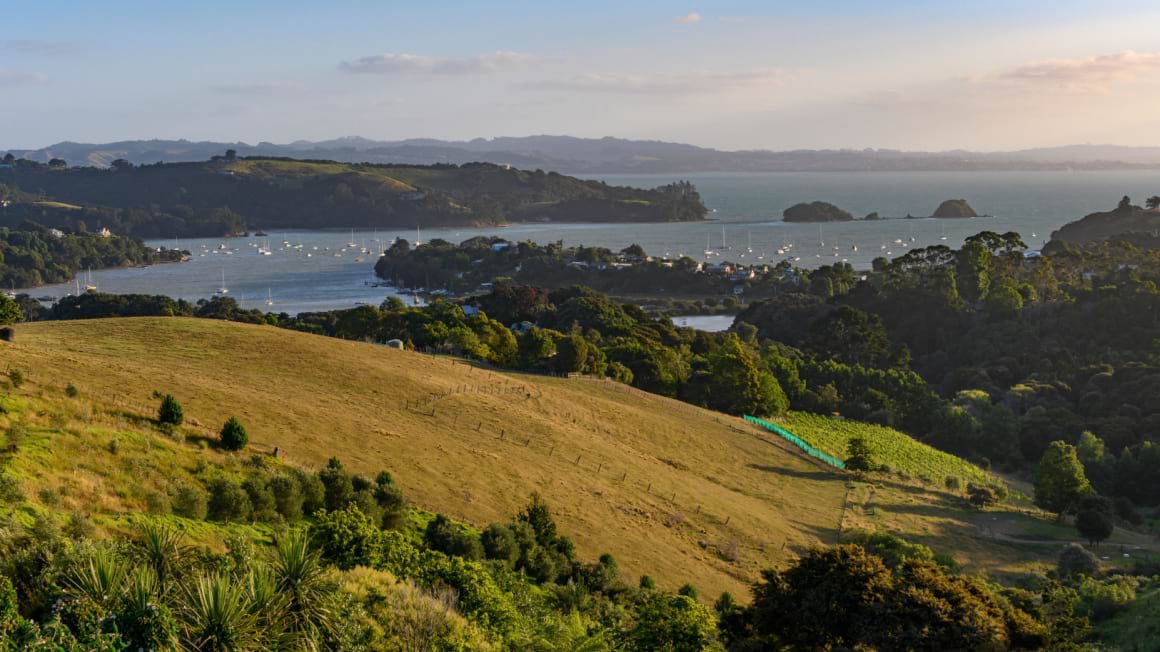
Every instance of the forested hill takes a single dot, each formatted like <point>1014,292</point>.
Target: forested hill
<point>227,195</point>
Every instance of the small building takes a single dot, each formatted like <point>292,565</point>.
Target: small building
<point>469,310</point>
<point>105,232</point>
<point>395,344</point>
<point>500,246</point>
<point>56,233</point>
<point>521,327</point>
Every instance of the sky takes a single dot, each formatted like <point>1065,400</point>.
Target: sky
<point>928,75</point>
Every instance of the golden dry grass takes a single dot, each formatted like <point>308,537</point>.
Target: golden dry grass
<point>673,491</point>
<point>677,492</point>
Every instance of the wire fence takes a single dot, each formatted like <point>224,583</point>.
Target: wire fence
<point>797,441</point>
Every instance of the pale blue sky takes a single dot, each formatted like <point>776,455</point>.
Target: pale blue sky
<point>736,75</point>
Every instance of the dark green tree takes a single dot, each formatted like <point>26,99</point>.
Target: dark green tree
<point>170,411</point>
<point>859,458</point>
<point>1095,519</point>
<point>571,354</point>
<point>444,535</point>
<point>9,310</point>
<point>1060,482</point>
<point>233,435</point>
<point>674,623</point>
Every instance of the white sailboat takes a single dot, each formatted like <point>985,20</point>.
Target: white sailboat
<point>418,236</point>
<point>352,244</point>
<point>749,247</point>
<point>89,287</point>
<point>269,298</point>
<point>723,245</point>
<point>223,289</point>
<point>708,248</point>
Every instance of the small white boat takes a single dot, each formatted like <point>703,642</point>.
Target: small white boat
<point>223,290</point>
<point>269,298</point>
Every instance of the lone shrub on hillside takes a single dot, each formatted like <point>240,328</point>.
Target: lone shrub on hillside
<point>233,435</point>
<point>1095,519</point>
<point>16,377</point>
<point>170,411</point>
<point>1077,560</point>
<point>981,496</point>
<point>190,502</point>
<point>71,391</point>
<point>860,459</point>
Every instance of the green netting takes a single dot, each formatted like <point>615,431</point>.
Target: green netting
<point>796,441</point>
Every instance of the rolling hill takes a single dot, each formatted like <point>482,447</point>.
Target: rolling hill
<point>604,155</point>
<point>714,499</point>
<point>227,195</point>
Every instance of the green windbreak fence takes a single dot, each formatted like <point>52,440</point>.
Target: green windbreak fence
<point>796,441</point>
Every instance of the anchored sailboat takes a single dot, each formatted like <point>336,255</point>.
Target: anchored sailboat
<point>223,289</point>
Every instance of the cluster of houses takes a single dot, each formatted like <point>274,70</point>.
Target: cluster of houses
<point>736,273</point>
<point>104,233</point>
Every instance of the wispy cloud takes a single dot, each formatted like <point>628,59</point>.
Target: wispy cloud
<point>1087,75</point>
<point>19,78</point>
<point>261,88</point>
<point>689,18</point>
<point>689,83</point>
<point>416,64</point>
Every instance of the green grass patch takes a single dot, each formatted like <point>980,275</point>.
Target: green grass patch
<point>895,449</point>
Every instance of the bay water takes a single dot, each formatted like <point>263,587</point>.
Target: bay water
<point>319,270</point>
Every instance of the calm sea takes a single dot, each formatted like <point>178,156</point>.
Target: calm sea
<point>320,275</point>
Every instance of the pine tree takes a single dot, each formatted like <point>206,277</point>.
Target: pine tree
<point>170,411</point>
<point>233,435</point>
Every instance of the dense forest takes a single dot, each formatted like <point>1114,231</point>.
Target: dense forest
<point>32,255</point>
<point>461,268</point>
<point>229,195</point>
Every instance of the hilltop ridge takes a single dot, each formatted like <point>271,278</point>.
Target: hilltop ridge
<point>606,155</point>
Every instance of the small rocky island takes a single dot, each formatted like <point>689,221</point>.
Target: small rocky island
<point>953,209</point>
<point>818,211</point>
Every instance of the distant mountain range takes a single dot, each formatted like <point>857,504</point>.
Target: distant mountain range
<point>606,155</point>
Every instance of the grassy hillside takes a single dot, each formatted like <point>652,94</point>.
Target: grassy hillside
<point>715,499</point>
<point>650,469</point>
<point>226,196</point>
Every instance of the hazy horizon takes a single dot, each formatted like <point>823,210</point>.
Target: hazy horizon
<point>742,75</point>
